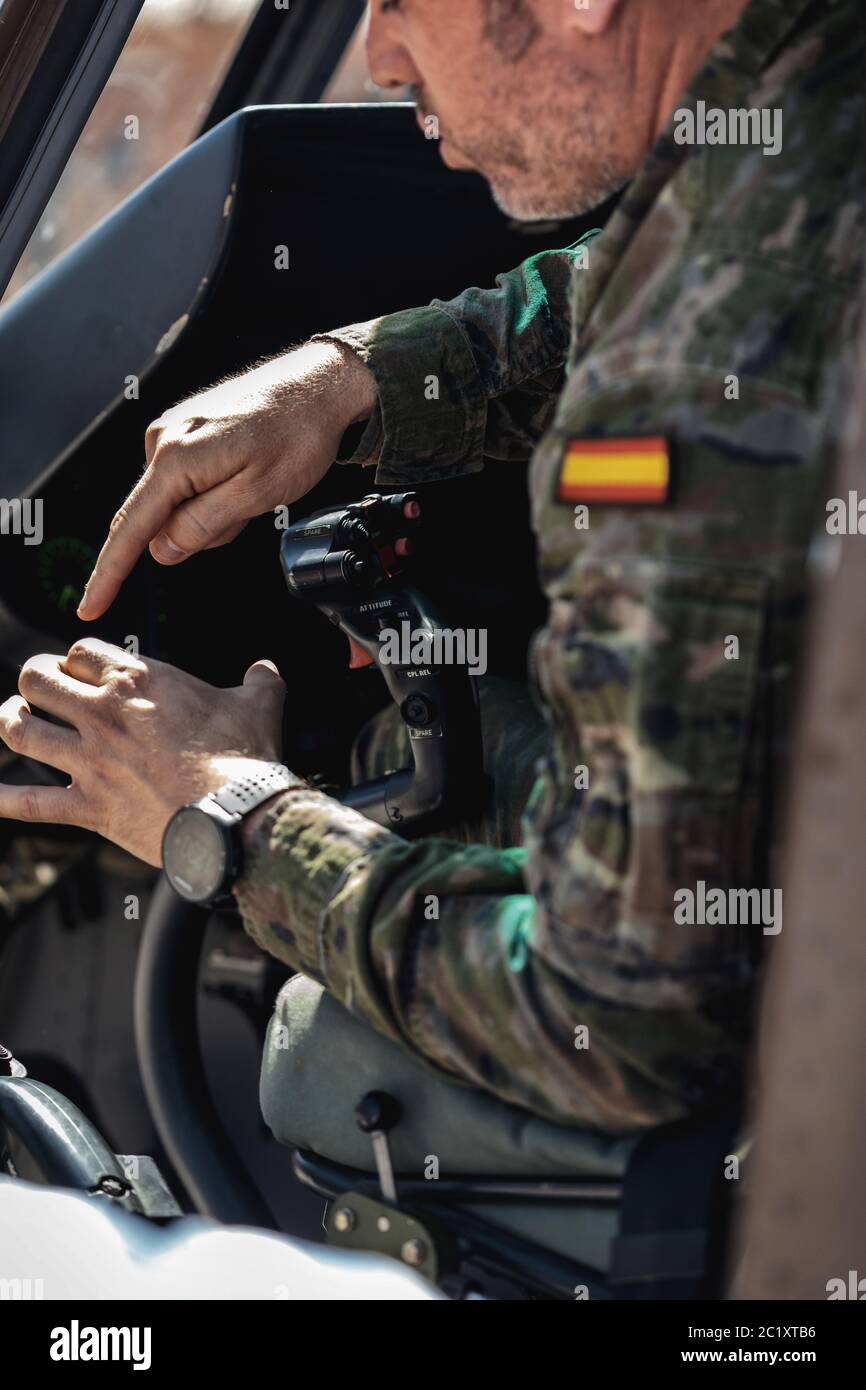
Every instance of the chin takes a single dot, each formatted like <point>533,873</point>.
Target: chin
<point>523,204</point>
<point>522,207</point>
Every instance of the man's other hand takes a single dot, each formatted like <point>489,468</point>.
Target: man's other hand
<point>235,451</point>
<point>139,739</point>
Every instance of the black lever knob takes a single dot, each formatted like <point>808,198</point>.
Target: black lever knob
<point>377,1112</point>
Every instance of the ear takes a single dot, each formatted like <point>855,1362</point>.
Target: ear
<point>590,16</point>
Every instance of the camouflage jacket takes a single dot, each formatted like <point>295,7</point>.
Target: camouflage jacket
<point>716,312</point>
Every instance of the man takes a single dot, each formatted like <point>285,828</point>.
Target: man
<point>684,459</point>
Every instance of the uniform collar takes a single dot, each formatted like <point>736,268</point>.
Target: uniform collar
<point>730,69</point>
<point>738,58</point>
<point>762,28</point>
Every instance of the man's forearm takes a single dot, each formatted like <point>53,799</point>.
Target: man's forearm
<point>438,946</point>
<point>299,849</point>
<point>468,377</point>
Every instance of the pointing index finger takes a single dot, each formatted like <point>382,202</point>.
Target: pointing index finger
<point>135,524</point>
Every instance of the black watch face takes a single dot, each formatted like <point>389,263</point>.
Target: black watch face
<point>195,855</point>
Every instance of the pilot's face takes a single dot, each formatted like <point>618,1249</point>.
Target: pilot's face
<point>515,94</point>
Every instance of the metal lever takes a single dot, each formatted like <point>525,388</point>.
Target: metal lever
<point>376,1114</point>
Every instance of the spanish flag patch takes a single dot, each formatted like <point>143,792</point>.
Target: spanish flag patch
<point>615,472</point>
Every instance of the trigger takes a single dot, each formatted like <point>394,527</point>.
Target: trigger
<point>357,656</point>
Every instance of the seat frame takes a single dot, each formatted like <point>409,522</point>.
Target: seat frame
<point>675,1216</point>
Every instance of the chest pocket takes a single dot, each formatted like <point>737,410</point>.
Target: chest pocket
<point>660,663</point>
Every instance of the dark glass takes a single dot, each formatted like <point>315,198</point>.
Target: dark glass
<point>194,855</point>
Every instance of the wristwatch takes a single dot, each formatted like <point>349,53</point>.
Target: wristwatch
<point>202,850</point>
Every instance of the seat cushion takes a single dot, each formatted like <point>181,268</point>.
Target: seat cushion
<point>319,1060</point>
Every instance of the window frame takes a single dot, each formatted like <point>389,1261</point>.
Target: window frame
<point>286,56</point>
<point>50,82</point>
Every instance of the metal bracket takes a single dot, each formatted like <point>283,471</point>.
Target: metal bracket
<point>354,1222</point>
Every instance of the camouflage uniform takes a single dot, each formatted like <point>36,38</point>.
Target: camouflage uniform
<point>514,738</point>
<point>719,262</point>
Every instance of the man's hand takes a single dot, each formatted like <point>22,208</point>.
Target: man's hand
<point>230,453</point>
<point>139,738</point>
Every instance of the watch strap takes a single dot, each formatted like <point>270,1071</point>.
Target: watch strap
<point>252,783</point>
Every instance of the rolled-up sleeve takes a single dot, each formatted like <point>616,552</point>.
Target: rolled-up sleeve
<point>466,378</point>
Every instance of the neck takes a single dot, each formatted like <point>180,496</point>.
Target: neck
<point>666,60</point>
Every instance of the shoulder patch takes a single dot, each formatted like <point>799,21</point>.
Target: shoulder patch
<point>615,472</point>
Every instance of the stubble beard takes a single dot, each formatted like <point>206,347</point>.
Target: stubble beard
<point>554,161</point>
<point>543,197</point>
